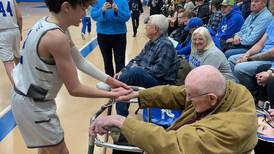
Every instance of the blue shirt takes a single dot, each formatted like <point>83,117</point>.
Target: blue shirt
<point>230,24</point>
<point>254,27</point>
<point>109,22</point>
<point>269,44</point>
<point>159,59</point>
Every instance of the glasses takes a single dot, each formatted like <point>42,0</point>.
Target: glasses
<point>191,97</point>
<point>267,117</point>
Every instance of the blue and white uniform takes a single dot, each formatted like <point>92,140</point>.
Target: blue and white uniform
<point>37,83</point>
<point>9,31</point>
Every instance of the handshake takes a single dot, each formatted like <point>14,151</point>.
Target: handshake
<point>102,124</point>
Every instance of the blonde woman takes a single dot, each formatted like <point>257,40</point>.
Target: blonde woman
<point>204,52</point>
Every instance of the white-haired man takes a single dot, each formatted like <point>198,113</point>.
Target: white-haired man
<point>206,126</point>
<point>157,63</point>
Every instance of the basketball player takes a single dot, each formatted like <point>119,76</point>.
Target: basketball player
<point>10,34</point>
<point>47,61</point>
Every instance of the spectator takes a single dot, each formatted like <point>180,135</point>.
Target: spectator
<point>231,23</point>
<point>180,34</point>
<point>193,24</point>
<point>207,126</point>
<point>189,5</point>
<point>204,52</point>
<point>155,6</point>
<point>244,6</point>
<point>136,8</point>
<point>202,10</point>
<point>111,32</point>
<point>244,66</point>
<point>271,6</point>
<point>216,15</point>
<point>252,29</point>
<point>157,63</point>
<point>172,17</point>
<point>86,24</point>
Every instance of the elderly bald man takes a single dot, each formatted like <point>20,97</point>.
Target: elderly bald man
<point>219,117</point>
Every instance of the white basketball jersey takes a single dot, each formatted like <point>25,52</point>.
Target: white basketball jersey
<point>7,15</point>
<point>33,75</point>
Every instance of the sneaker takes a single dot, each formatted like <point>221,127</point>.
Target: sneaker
<point>134,35</point>
<point>83,36</point>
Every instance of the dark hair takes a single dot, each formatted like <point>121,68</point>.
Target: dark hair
<point>55,5</point>
<point>216,4</point>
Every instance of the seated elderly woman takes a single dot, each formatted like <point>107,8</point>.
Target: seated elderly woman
<point>204,52</point>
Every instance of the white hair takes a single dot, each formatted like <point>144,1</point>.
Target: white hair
<point>160,21</point>
<point>203,31</point>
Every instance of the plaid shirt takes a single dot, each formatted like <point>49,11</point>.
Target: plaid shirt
<point>159,59</point>
<point>215,20</point>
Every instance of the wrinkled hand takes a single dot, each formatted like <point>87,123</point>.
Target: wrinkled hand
<point>243,59</point>
<point>120,92</point>
<point>236,40</point>
<point>101,124</point>
<point>115,8</point>
<point>106,6</point>
<point>262,78</point>
<point>114,83</point>
<point>129,96</point>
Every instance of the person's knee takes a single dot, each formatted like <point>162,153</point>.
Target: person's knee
<point>131,73</point>
<point>237,69</point>
<point>232,59</point>
<point>229,53</point>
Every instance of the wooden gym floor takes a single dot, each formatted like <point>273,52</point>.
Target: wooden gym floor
<point>74,112</point>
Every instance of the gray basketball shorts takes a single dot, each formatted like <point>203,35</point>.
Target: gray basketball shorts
<point>37,121</point>
<point>9,44</point>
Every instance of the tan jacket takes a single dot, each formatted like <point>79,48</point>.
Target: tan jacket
<point>229,129</point>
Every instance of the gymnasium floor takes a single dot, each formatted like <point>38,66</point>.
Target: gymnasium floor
<point>74,112</point>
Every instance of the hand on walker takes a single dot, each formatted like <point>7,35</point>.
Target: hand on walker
<point>102,124</point>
